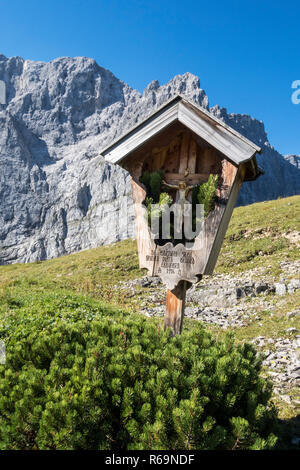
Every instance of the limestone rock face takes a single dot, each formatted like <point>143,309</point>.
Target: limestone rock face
<point>282,174</point>
<point>294,160</point>
<point>57,195</point>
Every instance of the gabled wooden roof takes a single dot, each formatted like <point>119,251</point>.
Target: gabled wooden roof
<point>211,129</point>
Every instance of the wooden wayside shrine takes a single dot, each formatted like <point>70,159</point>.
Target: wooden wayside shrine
<point>186,144</point>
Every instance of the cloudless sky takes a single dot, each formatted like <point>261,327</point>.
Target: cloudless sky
<point>245,52</point>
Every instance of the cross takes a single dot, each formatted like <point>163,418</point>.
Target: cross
<point>187,165</point>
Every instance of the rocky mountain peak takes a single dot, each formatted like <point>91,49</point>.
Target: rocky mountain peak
<point>57,195</point>
<point>294,160</point>
<point>250,127</point>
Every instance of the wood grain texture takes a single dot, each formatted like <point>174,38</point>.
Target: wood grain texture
<point>232,144</point>
<point>184,153</point>
<point>176,263</point>
<point>184,262</point>
<point>144,241</point>
<point>175,305</point>
<point>217,222</point>
<point>190,179</point>
<point>192,157</point>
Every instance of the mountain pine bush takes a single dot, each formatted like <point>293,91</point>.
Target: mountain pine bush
<point>153,182</point>
<point>120,382</point>
<point>206,194</point>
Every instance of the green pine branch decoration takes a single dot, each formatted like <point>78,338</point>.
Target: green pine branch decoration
<point>206,194</point>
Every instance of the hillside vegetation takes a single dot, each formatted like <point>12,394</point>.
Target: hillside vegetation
<point>262,234</point>
<point>261,238</point>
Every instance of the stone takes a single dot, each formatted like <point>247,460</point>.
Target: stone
<point>286,398</point>
<point>294,159</point>
<point>280,288</point>
<point>294,313</point>
<point>249,289</point>
<point>2,352</point>
<point>263,288</point>
<point>293,285</point>
<point>148,281</point>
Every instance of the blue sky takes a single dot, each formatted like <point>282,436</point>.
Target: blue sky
<point>246,53</point>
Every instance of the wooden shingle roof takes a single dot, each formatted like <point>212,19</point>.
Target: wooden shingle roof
<point>211,129</point>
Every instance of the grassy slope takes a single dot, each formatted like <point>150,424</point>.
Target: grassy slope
<point>255,238</point>
<point>258,236</point>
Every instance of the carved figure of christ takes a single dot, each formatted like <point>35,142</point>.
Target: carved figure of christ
<point>181,199</point>
<point>182,191</point>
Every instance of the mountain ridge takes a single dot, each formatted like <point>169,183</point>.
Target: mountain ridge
<point>57,195</point>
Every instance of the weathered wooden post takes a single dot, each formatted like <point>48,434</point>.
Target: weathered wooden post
<point>175,304</point>
<point>184,144</point>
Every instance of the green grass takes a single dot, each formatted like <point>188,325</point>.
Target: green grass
<point>257,236</point>
<point>93,272</point>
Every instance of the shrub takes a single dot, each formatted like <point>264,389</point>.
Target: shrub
<point>153,183</point>
<point>155,211</point>
<point>206,194</point>
<point>119,382</point>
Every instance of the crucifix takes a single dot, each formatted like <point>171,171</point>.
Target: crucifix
<point>187,165</point>
<point>187,144</point>
<point>182,190</point>
<point>183,182</point>
<point>175,298</point>
<point>181,199</point>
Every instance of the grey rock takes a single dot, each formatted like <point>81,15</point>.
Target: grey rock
<point>280,288</point>
<point>292,330</point>
<point>286,398</point>
<point>293,285</point>
<point>281,176</point>
<point>216,297</point>
<point>263,287</point>
<point>57,194</point>
<point>249,289</point>
<point>149,281</point>
<point>229,294</point>
<point>293,159</point>
<point>2,352</point>
<point>293,313</point>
